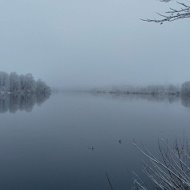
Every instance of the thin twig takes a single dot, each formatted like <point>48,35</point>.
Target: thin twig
<point>109,181</point>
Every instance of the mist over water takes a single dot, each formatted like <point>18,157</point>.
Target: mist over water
<point>81,136</point>
<point>76,138</point>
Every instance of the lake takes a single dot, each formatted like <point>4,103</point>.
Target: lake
<point>71,140</point>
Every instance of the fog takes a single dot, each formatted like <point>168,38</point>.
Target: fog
<point>84,43</point>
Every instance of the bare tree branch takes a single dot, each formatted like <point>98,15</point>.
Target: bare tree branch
<point>173,14</point>
<point>170,170</point>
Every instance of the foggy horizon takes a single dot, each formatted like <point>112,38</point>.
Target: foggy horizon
<point>111,109</point>
<point>88,44</point>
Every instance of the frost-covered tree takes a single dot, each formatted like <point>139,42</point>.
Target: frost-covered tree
<point>41,87</point>
<point>182,12</point>
<point>29,83</point>
<point>22,84</point>
<point>4,81</point>
<point>185,88</point>
<point>14,82</point>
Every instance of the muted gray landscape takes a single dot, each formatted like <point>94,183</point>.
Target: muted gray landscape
<point>94,95</point>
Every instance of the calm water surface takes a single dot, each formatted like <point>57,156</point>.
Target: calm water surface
<point>71,140</point>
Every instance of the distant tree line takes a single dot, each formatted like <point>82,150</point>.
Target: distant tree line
<point>154,90</point>
<point>21,84</point>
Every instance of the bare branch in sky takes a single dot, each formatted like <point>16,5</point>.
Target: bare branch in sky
<point>172,14</point>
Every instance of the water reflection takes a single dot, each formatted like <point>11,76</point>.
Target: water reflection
<point>184,100</point>
<point>22,102</point>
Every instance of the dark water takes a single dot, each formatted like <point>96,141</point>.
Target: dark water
<point>71,140</point>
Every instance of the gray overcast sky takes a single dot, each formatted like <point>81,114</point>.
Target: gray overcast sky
<point>93,42</point>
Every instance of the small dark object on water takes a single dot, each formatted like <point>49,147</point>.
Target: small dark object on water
<point>91,148</point>
<point>119,141</point>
